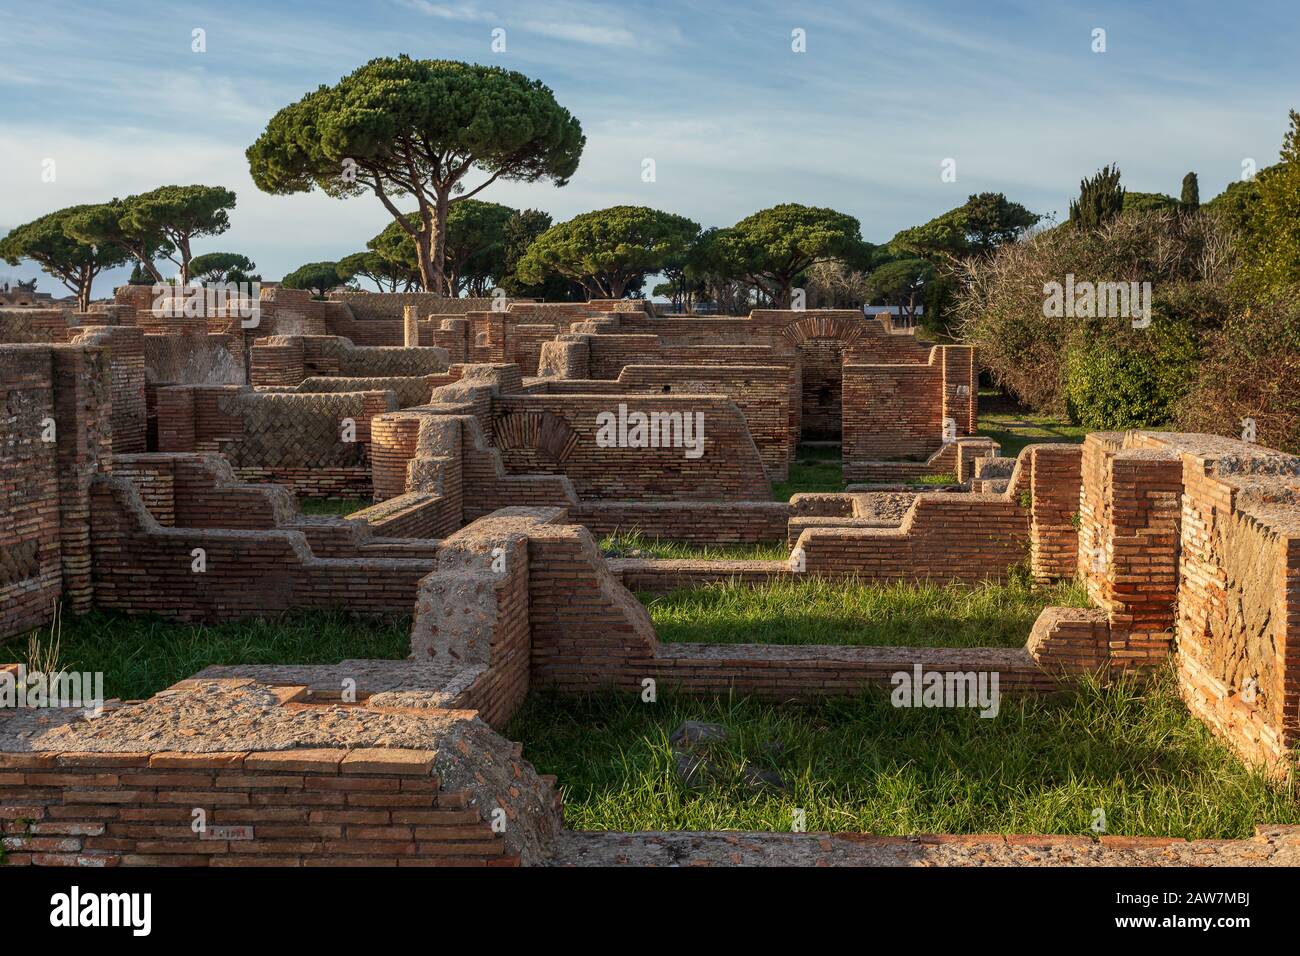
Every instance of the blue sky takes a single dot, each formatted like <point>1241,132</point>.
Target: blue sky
<point>734,119</point>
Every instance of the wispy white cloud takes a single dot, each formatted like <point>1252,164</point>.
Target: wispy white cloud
<point>583,23</point>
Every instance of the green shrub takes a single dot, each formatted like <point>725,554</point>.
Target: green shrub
<point>1251,370</point>
<point>1187,258</point>
<point>1132,378</point>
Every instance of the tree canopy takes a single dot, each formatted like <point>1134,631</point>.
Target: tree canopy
<point>900,283</point>
<point>773,247</point>
<point>1271,243</point>
<point>977,227</point>
<point>223,267</point>
<point>71,261</point>
<point>1101,197</point>
<point>388,276</point>
<point>318,277</point>
<point>402,127</point>
<point>475,247</point>
<point>609,251</point>
<point>162,222</point>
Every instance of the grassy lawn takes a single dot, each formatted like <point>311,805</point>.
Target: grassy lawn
<point>142,655</point>
<point>814,611</point>
<point>814,469</point>
<point>1041,766</point>
<point>636,545</point>
<point>332,506</point>
<point>1013,430</point>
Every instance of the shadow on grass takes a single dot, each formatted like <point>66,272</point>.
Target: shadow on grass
<point>1043,765</point>
<point>143,654</point>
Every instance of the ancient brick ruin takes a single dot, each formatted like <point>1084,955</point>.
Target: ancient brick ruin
<point>131,444</point>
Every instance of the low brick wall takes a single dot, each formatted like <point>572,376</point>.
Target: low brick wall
<point>288,359</point>
<point>302,440</point>
<point>142,566</point>
<point>763,393</point>
<point>702,523</point>
<point>288,776</point>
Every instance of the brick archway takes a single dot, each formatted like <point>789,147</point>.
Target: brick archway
<point>843,329</point>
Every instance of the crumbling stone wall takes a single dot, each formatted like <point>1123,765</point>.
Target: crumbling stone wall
<point>275,771</point>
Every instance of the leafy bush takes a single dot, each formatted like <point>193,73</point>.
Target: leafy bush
<point>1129,378</point>
<point>1187,258</point>
<point>1251,370</point>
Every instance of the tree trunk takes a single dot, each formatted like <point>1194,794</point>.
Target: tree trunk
<point>439,249</point>
<point>83,289</point>
<point>423,243</point>
<point>149,267</point>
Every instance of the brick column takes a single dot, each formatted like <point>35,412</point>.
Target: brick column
<point>1057,477</point>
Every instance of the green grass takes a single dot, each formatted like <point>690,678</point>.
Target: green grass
<point>140,656</point>
<point>814,469</point>
<point>332,506</point>
<point>1014,430</point>
<point>816,611</point>
<point>947,478</point>
<point>1041,766</point>
<point>636,545</point>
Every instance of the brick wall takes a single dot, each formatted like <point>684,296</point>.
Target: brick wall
<point>763,394</point>
<point>557,434</point>
<point>288,359</point>
<point>944,537</point>
<point>289,776</point>
<point>30,565</point>
<point>142,566</point>
<point>702,523</point>
<point>898,411</point>
<point>1054,512</point>
<point>589,631</point>
<point>297,439</point>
